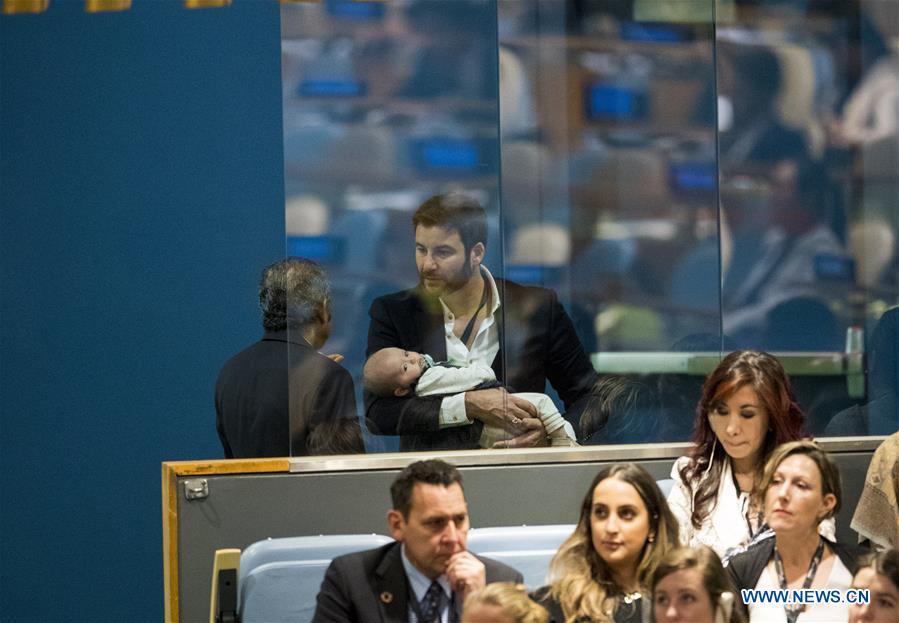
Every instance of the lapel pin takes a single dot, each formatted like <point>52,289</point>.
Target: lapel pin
<point>386,597</point>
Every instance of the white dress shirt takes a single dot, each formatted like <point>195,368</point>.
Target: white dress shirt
<point>483,351</point>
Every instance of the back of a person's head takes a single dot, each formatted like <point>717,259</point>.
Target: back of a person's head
<point>341,436</point>
<point>618,410</point>
<point>502,602</point>
<point>292,293</point>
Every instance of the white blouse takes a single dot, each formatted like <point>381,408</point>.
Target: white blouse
<point>727,525</point>
<point>839,578</point>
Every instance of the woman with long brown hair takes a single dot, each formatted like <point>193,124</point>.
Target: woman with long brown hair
<point>602,570</point>
<point>747,409</point>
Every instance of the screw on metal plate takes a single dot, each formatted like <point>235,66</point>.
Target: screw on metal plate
<point>196,489</point>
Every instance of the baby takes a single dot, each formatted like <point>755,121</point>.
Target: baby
<point>397,372</point>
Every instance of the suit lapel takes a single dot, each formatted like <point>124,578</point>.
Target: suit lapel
<point>392,588</point>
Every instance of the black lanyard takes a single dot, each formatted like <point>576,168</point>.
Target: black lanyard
<point>470,326</point>
<point>794,610</point>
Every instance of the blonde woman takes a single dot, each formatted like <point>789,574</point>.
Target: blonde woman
<point>502,602</point>
<point>801,485</point>
<point>602,570</point>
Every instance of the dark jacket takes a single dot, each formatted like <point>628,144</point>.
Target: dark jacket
<point>625,613</point>
<point>371,586</point>
<point>537,343</point>
<point>269,395</point>
<point>746,568</point>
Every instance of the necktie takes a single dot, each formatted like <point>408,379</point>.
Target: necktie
<point>432,603</point>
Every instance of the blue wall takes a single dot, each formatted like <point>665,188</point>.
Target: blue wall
<point>141,192</point>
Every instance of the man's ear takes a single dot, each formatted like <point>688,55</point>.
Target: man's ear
<point>477,253</point>
<point>395,524</point>
<point>401,391</point>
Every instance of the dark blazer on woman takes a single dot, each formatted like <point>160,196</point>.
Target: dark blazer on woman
<point>625,613</point>
<point>537,343</point>
<point>746,568</point>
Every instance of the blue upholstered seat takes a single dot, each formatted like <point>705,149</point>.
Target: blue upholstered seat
<point>526,548</point>
<point>279,578</point>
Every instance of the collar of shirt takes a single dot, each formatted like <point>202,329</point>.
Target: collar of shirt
<point>486,343</point>
<point>420,582</point>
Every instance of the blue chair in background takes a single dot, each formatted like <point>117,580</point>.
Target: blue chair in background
<point>528,549</point>
<point>278,579</point>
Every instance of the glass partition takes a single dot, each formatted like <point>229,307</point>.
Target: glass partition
<point>682,180</point>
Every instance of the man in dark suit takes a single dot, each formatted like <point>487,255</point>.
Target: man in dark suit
<point>459,312</point>
<point>269,396</point>
<point>427,573</point>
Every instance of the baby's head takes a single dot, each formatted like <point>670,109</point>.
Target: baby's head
<point>392,371</point>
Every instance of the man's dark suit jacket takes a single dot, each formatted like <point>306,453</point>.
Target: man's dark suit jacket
<point>372,586</point>
<point>537,343</point>
<point>269,395</point>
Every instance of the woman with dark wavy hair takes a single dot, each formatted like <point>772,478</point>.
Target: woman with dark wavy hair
<point>747,409</point>
<point>602,570</point>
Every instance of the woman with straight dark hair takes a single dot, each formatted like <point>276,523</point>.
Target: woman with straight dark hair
<point>747,409</point>
<point>602,570</point>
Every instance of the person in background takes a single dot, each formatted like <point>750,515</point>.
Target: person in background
<point>801,487</point>
<point>619,410</point>
<point>875,517</point>
<point>395,372</point>
<point>746,410</point>
<point>269,395</point>
<point>879,575</point>
<point>502,602</point>
<point>459,313</point>
<point>691,585</point>
<point>602,570</point>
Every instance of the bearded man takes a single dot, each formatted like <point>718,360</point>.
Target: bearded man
<point>460,313</point>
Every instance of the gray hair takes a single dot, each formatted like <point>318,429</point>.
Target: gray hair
<point>291,293</point>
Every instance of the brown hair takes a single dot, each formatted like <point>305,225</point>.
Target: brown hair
<point>714,580</point>
<point>764,374</point>
<point>830,473</point>
<point>454,211</point>
<point>885,563</point>
<point>581,580</point>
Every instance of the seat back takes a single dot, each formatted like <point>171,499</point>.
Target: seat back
<point>528,549</point>
<point>665,485</point>
<point>280,578</point>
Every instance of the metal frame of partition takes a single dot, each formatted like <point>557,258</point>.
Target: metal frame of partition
<point>536,456</point>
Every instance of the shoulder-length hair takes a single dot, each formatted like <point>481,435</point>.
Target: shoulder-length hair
<point>830,473</point>
<point>580,580</point>
<point>764,374</point>
<point>714,580</point>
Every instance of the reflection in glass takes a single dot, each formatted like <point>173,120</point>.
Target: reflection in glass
<point>686,180</point>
